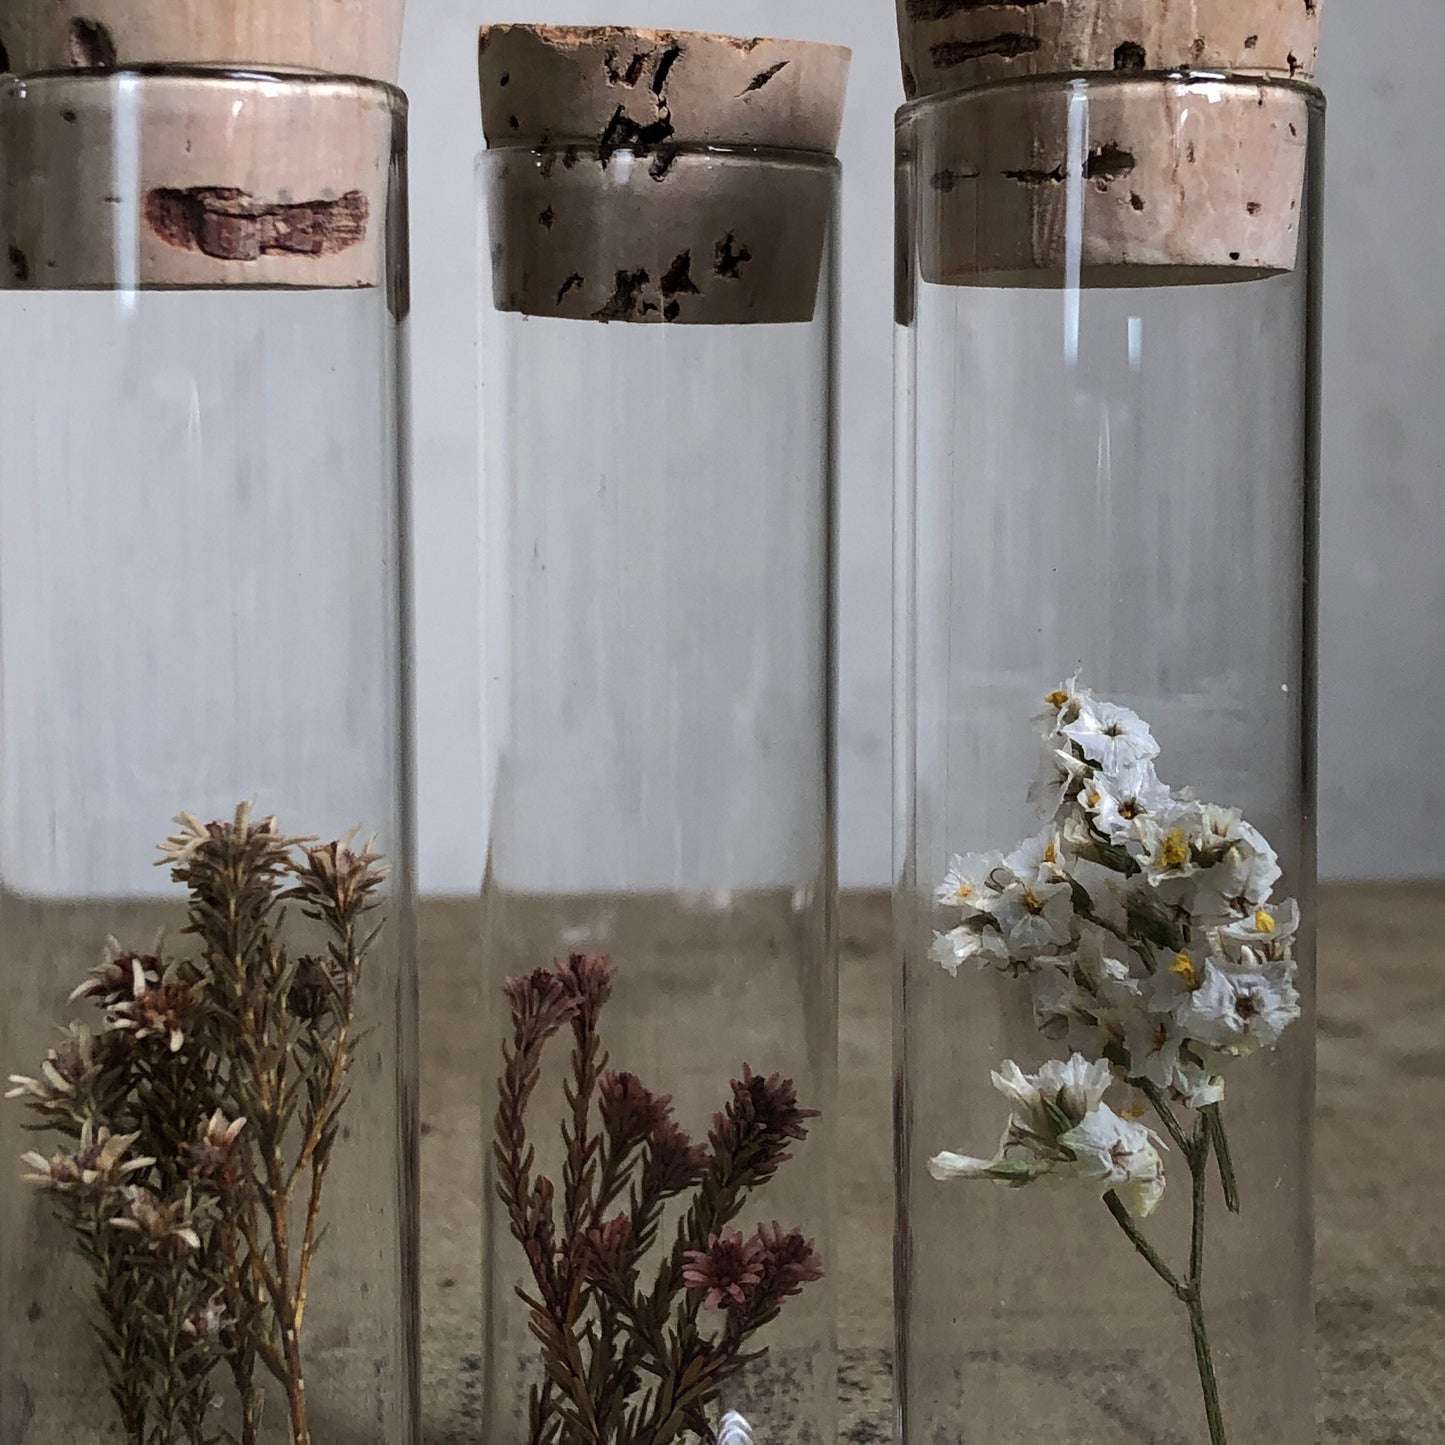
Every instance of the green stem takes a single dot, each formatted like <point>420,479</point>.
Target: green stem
<point>1215,1122</point>
<point>1188,1291</point>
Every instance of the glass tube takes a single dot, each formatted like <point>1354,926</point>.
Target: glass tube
<point>202,584</point>
<point>659,520</point>
<point>1107,467</point>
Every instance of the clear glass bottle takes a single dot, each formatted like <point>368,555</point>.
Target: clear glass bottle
<point>659,522</point>
<point>202,584</point>
<point>1107,444</point>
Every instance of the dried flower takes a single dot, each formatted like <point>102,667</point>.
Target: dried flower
<point>1145,924</point>
<point>789,1260</point>
<point>604,1333</point>
<point>211,1230</point>
<point>630,1110</point>
<point>97,1164</point>
<point>161,1222</point>
<point>210,1159</point>
<point>157,1007</point>
<point>728,1270</point>
<point>674,1163</point>
<point>541,1004</point>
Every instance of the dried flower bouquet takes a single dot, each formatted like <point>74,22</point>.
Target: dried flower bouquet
<point>199,1121</point>
<point>628,1360</point>
<point>1144,922</point>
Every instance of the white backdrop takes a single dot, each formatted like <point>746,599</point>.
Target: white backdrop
<point>1383,648</point>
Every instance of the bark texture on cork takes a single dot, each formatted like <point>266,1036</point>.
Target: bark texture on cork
<point>949,44</point>
<point>232,183</point>
<point>1181,180</point>
<point>604,203</point>
<point>344,37</point>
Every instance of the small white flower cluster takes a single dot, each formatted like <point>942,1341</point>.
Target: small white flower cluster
<point>1145,923</point>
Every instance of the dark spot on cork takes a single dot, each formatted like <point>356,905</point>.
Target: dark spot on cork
<point>19,263</point>
<point>662,163</point>
<point>730,258</point>
<point>1234,255</point>
<point>1309,7</point>
<point>36,1312</point>
<point>747,44</point>
<point>624,133</point>
<point>570,157</point>
<point>229,225</point>
<point>664,65</point>
<point>514,122</point>
<point>1008,46</point>
<point>546,163</point>
<point>1250,41</point>
<point>626,299</point>
<point>69,117</point>
<point>942,9</point>
<point>1294,65</point>
<point>1104,164</point>
<point>910,81</point>
<point>678,280</point>
<point>505,78</point>
<point>671,311</point>
<point>763,77</point>
<point>570,284</point>
<point>1293,129</point>
<point>1130,56</point>
<point>1136,200</point>
<point>1189,153</point>
<point>945,180</point>
<point>91,45</point>
<point>4,57</point>
<point>548,217</point>
<point>1109,163</point>
<point>627,75</point>
<point>1197,49</point>
<point>1253,207</point>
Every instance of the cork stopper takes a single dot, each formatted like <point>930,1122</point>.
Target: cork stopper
<point>344,37</point>
<point>1193,177</point>
<point>193,179</point>
<point>949,44</point>
<point>659,176</point>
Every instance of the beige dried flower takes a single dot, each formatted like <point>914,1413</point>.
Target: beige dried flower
<point>160,1221</point>
<point>96,1164</point>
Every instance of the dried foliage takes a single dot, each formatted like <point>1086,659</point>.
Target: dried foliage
<point>627,1356</point>
<point>199,1122</point>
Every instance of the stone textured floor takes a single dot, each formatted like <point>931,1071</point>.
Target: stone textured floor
<point>1380,1174</point>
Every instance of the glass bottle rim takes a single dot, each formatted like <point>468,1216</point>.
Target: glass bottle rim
<point>1075,82</point>
<point>296,80</point>
<point>583,145</point>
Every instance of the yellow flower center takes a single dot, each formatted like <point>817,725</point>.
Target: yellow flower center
<point>1263,923</point>
<point>963,892</point>
<point>1049,855</point>
<point>1176,850</point>
<point>1183,967</point>
<point>1057,699</point>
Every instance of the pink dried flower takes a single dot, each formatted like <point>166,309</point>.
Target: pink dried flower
<point>773,1103</point>
<point>630,1110</point>
<point>587,978</point>
<point>674,1162</point>
<point>540,1006</point>
<point>730,1269</point>
<point>157,1008</point>
<point>607,1248</point>
<point>790,1261</point>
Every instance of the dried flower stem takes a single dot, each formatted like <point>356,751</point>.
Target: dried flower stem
<point>213,1094</point>
<point>623,1365</point>
<point>1190,1290</point>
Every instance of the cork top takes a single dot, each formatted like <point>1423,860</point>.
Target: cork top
<point>947,45</point>
<point>341,37</point>
<point>619,88</point>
